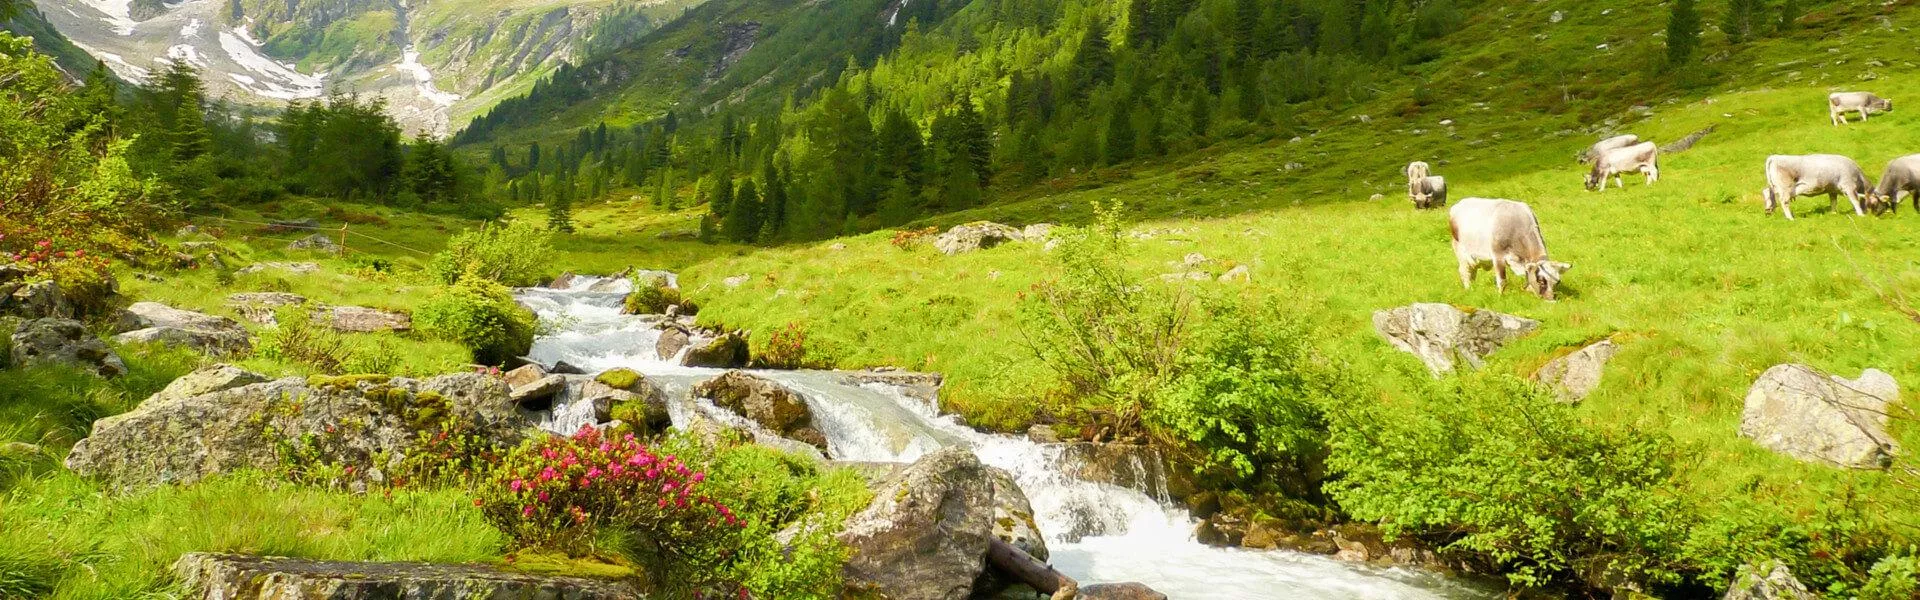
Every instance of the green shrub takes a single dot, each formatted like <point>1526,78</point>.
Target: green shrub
<point>480,314</point>
<point>785,349</point>
<point>297,339</point>
<point>512,255</point>
<point>1251,396</point>
<point>1893,578</point>
<point>651,297</point>
<point>1492,467</point>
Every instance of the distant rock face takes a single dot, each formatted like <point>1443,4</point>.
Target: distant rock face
<point>1444,337</point>
<point>155,322</point>
<point>925,535</point>
<point>318,242</point>
<point>1767,581</point>
<point>1575,375</point>
<point>978,235</point>
<point>1815,417</point>
<point>369,424</point>
<point>763,401</point>
<point>63,341</point>
<point>235,577</point>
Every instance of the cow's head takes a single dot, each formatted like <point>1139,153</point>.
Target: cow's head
<point>1595,180</point>
<point>1883,105</point>
<point>1544,276</point>
<point>1878,202</point>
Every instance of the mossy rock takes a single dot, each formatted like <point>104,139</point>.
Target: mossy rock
<point>346,382</point>
<point>621,379</point>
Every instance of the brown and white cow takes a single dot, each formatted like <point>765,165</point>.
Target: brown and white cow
<point>1505,234</point>
<point>1790,177</point>
<point>1643,157</point>
<point>1601,147</point>
<point>1902,176</point>
<point>1841,103</point>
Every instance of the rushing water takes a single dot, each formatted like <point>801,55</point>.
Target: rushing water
<point>1095,532</point>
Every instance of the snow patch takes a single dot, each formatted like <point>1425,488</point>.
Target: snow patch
<point>192,28</point>
<point>276,80</point>
<point>118,65</point>
<point>423,78</point>
<point>117,14</point>
<point>186,53</point>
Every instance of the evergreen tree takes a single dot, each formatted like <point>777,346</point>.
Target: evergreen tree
<point>1683,32</point>
<point>1120,137</point>
<point>1246,23</point>
<point>1742,20</point>
<point>744,218</point>
<point>1142,24</point>
<point>181,110</point>
<point>972,140</point>
<point>1789,15</point>
<point>1092,61</point>
<point>560,209</point>
<point>900,205</point>
<point>720,194</point>
<point>773,203</point>
<point>1375,39</point>
<point>533,157</point>
<point>902,150</point>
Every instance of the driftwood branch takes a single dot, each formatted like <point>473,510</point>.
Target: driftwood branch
<point>1029,570</point>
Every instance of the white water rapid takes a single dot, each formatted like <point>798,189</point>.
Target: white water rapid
<point>1096,532</point>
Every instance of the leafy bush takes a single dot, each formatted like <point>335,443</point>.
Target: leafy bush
<point>1251,396</point>
<point>785,349</point>
<point>297,339</point>
<point>1105,334</point>
<point>512,255</point>
<point>1893,578</point>
<point>1494,468</point>
<point>651,296</point>
<point>480,314</point>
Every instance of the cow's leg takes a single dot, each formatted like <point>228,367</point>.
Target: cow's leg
<point>1500,275</point>
<point>1786,206</point>
<point>1854,199</point>
<point>1653,174</point>
<point>1620,180</point>
<point>1467,267</point>
<point>1863,114</point>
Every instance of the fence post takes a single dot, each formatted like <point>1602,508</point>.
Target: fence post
<point>343,237</point>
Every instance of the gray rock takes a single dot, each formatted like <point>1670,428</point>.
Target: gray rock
<point>63,341</point>
<point>318,242</point>
<point>1119,591</point>
<point>296,268</point>
<point>672,340</point>
<point>765,402</point>
<point>1037,232</point>
<point>540,390</point>
<point>1239,273</point>
<point>564,281</point>
<point>524,375</point>
<point>259,307</point>
<point>1815,417</point>
<point>1132,466</point>
<point>153,322</point>
<point>1042,434</point>
<point>207,380</point>
<point>1767,581</point>
<point>1575,375</point>
<point>1014,524</point>
<point>370,424</point>
<point>978,235</point>
<point>34,300</point>
<point>726,351</point>
<point>1444,337</point>
<point>360,319</point>
<point>925,535</point>
<point>232,576</point>
<point>736,281</point>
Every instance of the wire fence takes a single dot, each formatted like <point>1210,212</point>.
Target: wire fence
<point>343,230</point>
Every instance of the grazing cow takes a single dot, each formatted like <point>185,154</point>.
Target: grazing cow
<point>1506,234</point>
<point>1601,147</point>
<point>1428,192</point>
<point>1790,177</point>
<point>1841,103</point>
<point>1902,175</point>
<point>1643,157</point>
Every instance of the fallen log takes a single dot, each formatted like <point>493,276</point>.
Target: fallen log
<point>1029,570</point>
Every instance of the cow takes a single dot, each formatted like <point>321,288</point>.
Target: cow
<point>1902,175</point>
<point>1601,147</point>
<point>1790,177</point>
<point>1428,192</point>
<point>1643,157</point>
<point>1841,103</point>
<point>1505,234</point>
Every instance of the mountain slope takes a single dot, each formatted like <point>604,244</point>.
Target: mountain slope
<point>434,61</point>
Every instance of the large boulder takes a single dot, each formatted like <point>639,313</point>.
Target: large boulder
<point>978,235</point>
<point>1444,337</point>
<point>1767,581</point>
<point>360,319</point>
<point>233,576</point>
<point>618,387</point>
<point>366,425</point>
<point>34,300</point>
<point>207,380</point>
<point>725,351</point>
<point>260,307</point>
<point>1575,375</point>
<point>63,341</point>
<point>1013,523</point>
<point>925,535</point>
<point>765,402</point>
<point>318,242</point>
<point>155,322</point>
<point>1815,417</point>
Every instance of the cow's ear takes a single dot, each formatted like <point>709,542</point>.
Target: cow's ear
<point>1562,267</point>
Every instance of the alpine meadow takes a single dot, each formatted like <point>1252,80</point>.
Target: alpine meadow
<point>951,299</point>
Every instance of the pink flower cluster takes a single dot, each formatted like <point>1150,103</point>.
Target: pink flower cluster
<point>560,488</point>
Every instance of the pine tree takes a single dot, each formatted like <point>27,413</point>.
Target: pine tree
<point>773,203</point>
<point>560,209</point>
<point>900,205</point>
<point>743,219</point>
<point>720,194</point>
<point>902,150</point>
<point>1092,61</point>
<point>1246,23</point>
<point>1683,32</point>
<point>1142,24</point>
<point>973,142</point>
<point>1120,136</point>
<point>533,157</point>
<point>1742,20</point>
<point>1789,15</point>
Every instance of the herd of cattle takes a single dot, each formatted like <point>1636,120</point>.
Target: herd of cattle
<point>1504,235</point>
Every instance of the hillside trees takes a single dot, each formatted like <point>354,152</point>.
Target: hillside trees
<point>1683,32</point>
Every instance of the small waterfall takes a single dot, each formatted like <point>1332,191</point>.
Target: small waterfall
<point>1095,532</point>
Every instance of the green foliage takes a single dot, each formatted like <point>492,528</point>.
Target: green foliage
<point>651,296</point>
<point>1250,394</point>
<point>515,254</point>
<point>1790,13</point>
<point>1743,20</point>
<point>480,314</point>
<point>346,147</point>
<point>743,216</point>
<point>1893,578</point>
<point>1491,466</point>
<point>1105,335</point>
<point>774,492</point>
<point>785,349</point>
<point>1683,32</point>
<point>296,338</point>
